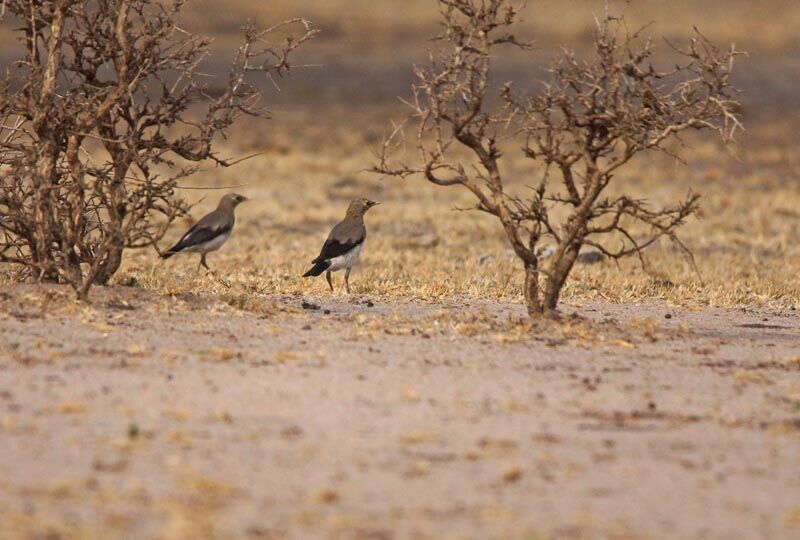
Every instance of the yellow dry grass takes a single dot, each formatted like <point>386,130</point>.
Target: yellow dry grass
<point>745,239</point>
<point>312,154</point>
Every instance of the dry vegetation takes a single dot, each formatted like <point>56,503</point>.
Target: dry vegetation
<point>582,125</point>
<point>418,247</point>
<point>745,239</point>
<point>99,123</point>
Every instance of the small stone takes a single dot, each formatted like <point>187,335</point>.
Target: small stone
<point>292,432</point>
<point>327,496</point>
<point>513,474</point>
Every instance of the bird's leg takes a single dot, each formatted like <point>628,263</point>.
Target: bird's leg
<point>210,271</point>
<point>347,280</point>
<point>328,277</point>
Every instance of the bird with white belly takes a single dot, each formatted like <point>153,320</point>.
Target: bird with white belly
<point>211,232</point>
<point>344,243</point>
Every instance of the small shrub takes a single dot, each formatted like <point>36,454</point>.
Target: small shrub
<point>581,128</point>
<point>102,116</point>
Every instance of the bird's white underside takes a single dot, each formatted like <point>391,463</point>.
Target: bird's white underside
<point>347,260</point>
<point>212,245</point>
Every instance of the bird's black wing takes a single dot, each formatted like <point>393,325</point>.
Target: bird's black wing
<point>200,233</point>
<point>335,248</point>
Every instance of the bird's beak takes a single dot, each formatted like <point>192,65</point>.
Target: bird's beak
<point>374,203</point>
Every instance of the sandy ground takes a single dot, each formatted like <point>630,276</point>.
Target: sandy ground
<point>146,416</point>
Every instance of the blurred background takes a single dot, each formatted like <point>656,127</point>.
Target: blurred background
<point>365,49</point>
<point>361,61</point>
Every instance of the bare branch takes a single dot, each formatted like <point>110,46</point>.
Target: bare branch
<point>582,126</point>
<point>120,73</point>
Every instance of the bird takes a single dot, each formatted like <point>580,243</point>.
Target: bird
<point>344,243</point>
<point>211,232</point>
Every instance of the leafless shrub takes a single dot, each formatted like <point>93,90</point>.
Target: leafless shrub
<point>582,126</point>
<point>99,120</point>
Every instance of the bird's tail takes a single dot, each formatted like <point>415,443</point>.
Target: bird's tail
<point>318,268</point>
<point>173,250</point>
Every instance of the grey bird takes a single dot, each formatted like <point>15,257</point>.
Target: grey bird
<point>344,243</point>
<point>210,232</point>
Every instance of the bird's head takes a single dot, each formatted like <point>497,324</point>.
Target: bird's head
<point>359,207</point>
<point>232,200</point>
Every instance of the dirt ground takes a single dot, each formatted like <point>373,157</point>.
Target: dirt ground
<point>159,416</point>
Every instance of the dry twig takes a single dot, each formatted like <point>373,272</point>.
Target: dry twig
<point>582,126</point>
<point>99,122</point>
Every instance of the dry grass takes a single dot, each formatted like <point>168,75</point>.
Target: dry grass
<point>312,152</point>
<point>745,242</point>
